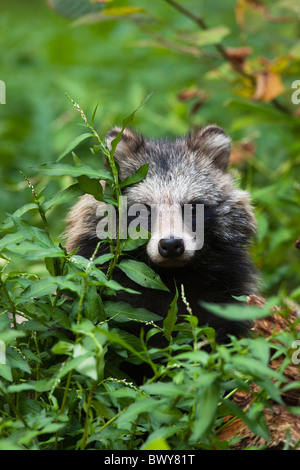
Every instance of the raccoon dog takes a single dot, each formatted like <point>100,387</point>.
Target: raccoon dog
<point>190,171</point>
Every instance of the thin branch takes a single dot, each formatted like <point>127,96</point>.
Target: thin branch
<point>188,13</point>
<point>200,22</point>
<point>236,65</point>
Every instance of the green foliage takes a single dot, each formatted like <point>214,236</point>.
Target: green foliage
<point>63,337</point>
<point>61,386</point>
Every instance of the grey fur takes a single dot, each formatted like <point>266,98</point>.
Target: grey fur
<point>192,168</point>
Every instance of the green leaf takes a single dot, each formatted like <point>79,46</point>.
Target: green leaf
<point>101,280</point>
<point>230,408</point>
<point>156,444</point>
<point>94,115</point>
<point>16,361</point>
<point>33,233</point>
<point>84,263</point>
<point>99,276</point>
<point>32,251</point>
<point>256,368</point>
<point>40,288</point>
<point>48,285</point>
<point>5,372</point>
<point>207,399</point>
<point>143,405</point>
<point>88,365</point>
<point>75,8</point>
<point>131,244</point>
<point>42,385</point>
<point>91,186</point>
<point>93,307</point>
<point>10,334</point>
<point>157,439</point>
<point>123,312</point>
<point>85,326</point>
<point>136,177</point>
<point>8,223</point>
<point>211,36</point>
<point>10,239</point>
<point>141,274</point>
<point>114,285</point>
<point>62,347</point>
<point>72,192</point>
<point>260,349</point>
<point>9,443</point>
<point>126,123</point>
<point>102,259</point>
<point>194,356</point>
<point>169,389</point>
<point>171,318</point>
<point>130,343</point>
<point>61,169</point>
<point>295,293</point>
<point>74,144</point>
<point>238,311</point>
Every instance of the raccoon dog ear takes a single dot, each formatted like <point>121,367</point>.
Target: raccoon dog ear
<point>212,142</point>
<point>129,144</point>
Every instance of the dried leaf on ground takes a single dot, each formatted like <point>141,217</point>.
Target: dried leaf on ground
<point>283,425</point>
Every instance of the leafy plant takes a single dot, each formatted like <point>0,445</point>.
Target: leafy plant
<point>64,339</point>
<point>62,384</point>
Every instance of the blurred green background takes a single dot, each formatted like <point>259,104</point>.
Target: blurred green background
<point>116,59</point>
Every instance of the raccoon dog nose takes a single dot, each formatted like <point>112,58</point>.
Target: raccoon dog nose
<point>170,247</point>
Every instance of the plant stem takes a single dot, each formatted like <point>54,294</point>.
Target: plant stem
<point>116,185</point>
<point>12,305</point>
<point>64,400</point>
<point>37,202</point>
<point>112,419</point>
<point>187,13</point>
<point>222,50</point>
<point>63,403</point>
<point>87,418</point>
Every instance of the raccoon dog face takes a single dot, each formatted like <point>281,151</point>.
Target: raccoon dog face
<point>191,204</point>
